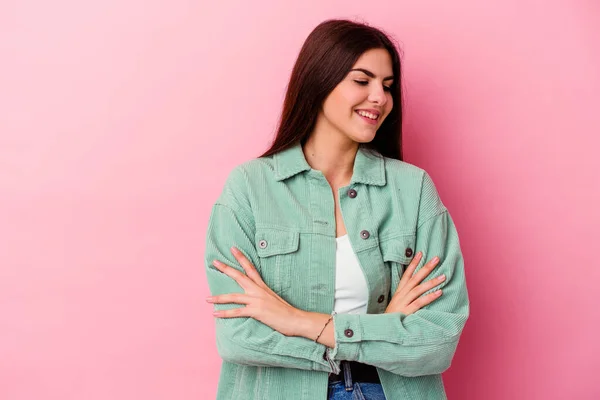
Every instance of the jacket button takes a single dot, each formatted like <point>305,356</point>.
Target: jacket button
<point>348,333</point>
<point>352,193</point>
<point>408,252</point>
<point>365,234</point>
<point>380,299</point>
<point>262,244</point>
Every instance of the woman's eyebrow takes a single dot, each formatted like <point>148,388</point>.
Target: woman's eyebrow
<point>370,74</point>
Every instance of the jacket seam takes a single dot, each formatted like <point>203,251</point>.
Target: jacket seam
<point>237,212</point>
<point>444,210</point>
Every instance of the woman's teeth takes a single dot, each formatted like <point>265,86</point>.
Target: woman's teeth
<point>367,114</point>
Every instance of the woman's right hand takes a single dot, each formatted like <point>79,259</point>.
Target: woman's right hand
<point>407,298</point>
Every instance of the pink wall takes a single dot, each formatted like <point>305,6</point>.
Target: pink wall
<point>119,121</point>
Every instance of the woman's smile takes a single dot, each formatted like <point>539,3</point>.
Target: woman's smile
<point>368,120</point>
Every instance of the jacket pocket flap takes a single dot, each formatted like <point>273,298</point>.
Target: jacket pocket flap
<point>400,249</point>
<point>272,241</point>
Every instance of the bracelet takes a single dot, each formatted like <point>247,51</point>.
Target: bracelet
<point>322,330</point>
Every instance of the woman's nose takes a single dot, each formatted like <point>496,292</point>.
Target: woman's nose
<point>378,96</point>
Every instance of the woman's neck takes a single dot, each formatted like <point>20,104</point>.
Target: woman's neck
<point>332,156</point>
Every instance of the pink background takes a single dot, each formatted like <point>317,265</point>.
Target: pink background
<point>119,121</point>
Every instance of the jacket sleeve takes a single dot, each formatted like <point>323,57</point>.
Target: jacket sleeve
<point>244,340</point>
<point>422,343</point>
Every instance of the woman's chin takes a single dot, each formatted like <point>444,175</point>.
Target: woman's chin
<point>364,137</point>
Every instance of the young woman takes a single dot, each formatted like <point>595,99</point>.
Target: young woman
<point>316,250</point>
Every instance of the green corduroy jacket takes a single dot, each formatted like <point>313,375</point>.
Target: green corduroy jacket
<point>280,213</point>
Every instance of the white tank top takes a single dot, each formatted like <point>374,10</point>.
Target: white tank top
<point>351,290</point>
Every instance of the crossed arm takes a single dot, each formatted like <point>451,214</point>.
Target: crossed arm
<point>421,343</point>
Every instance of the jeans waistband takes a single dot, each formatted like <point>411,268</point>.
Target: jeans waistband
<point>352,371</point>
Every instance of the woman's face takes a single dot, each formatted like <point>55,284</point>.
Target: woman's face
<point>365,90</point>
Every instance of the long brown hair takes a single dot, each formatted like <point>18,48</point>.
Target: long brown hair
<point>326,57</point>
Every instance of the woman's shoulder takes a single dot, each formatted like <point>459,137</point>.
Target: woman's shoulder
<point>411,180</point>
<point>250,171</point>
<point>244,176</point>
<point>398,171</point>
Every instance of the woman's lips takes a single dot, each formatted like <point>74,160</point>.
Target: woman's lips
<point>367,120</point>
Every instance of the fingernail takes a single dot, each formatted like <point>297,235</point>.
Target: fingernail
<point>437,292</point>
<point>216,313</point>
<point>441,277</point>
<point>216,263</point>
<point>234,250</point>
<point>436,259</point>
<point>209,299</point>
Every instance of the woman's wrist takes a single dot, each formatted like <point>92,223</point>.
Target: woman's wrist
<point>310,324</point>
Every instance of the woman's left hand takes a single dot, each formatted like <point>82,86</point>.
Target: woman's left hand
<point>261,302</point>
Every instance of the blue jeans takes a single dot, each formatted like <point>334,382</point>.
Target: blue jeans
<point>346,389</point>
<point>360,391</point>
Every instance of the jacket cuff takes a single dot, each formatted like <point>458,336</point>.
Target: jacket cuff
<point>348,332</point>
<point>333,364</point>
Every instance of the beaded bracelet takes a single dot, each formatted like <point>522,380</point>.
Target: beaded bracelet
<point>322,330</point>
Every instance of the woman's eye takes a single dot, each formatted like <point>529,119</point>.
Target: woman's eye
<point>364,83</point>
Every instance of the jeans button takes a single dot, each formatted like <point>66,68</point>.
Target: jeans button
<point>408,252</point>
<point>365,234</point>
<point>380,299</point>
<point>352,193</point>
<point>349,333</point>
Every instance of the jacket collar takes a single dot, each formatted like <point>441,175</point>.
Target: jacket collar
<point>369,165</point>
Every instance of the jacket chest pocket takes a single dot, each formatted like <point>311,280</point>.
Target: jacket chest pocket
<point>277,250</point>
<point>397,253</point>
